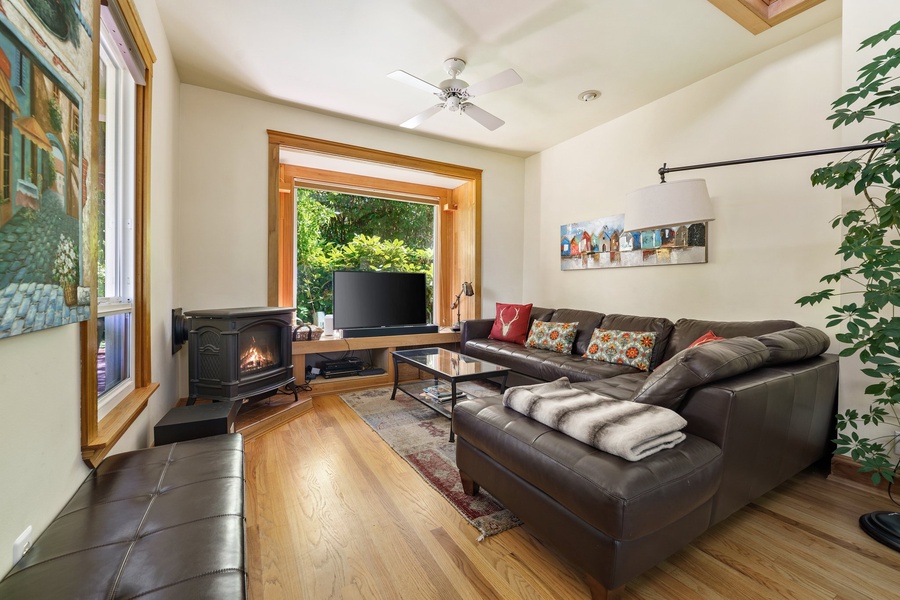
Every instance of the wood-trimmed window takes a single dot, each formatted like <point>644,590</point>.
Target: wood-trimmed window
<point>757,16</point>
<point>99,435</point>
<point>457,244</point>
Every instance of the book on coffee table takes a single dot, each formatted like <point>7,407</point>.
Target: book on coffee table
<point>442,393</point>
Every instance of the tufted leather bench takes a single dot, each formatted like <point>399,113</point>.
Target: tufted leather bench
<point>165,522</point>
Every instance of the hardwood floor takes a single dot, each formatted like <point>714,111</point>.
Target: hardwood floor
<point>333,512</point>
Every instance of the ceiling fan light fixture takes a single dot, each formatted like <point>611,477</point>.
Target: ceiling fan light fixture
<point>454,93</point>
<point>589,95</point>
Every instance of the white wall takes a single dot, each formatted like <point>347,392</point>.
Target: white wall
<point>771,240</point>
<point>40,430</point>
<point>163,244</point>
<point>40,381</point>
<point>222,191</point>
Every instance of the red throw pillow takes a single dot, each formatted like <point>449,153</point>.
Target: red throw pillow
<point>707,337</point>
<point>511,323</point>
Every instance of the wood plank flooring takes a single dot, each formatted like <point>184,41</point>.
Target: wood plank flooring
<point>333,512</point>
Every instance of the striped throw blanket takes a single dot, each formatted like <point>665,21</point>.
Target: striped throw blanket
<point>628,429</point>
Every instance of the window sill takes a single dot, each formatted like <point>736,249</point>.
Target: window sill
<point>113,425</point>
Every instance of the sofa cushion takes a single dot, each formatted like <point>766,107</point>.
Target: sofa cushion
<point>587,320</point>
<point>688,330</point>
<point>606,491</point>
<point>669,384</point>
<point>621,387</point>
<point>554,336</point>
<point>511,323</point>
<point>660,325</point>
<point>632,348</point>
<point>543,364</point>
<point>794,344</point>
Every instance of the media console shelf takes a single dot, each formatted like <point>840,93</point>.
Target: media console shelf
<point>380,348</point>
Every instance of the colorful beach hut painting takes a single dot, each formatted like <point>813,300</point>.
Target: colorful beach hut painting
<point>603,243</point>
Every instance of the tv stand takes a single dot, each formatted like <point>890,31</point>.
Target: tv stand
<point>378,347</point>
<point>357,332</point>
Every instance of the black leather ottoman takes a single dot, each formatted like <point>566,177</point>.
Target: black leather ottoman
<point>159,523</point>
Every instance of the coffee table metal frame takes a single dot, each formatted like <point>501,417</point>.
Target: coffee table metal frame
<point>408,357</point>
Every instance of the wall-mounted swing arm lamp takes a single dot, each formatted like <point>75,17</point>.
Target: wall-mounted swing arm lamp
<point>468,291</point>
<point>687,201</point>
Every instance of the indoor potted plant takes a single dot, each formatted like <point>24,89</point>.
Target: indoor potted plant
<point>869,280</point>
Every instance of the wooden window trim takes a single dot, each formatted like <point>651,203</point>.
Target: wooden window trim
<point>458,247</point>
<point>757,16</point>
<point>98,436</point>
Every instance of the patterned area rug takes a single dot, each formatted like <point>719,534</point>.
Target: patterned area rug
<point>420,436</point>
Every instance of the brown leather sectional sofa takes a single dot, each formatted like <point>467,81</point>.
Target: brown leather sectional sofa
<point>758,405</point>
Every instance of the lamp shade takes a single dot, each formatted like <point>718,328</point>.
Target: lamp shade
<point>668,204</point>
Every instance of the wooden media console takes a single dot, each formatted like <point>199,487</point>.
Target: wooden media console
<point>380,348</point>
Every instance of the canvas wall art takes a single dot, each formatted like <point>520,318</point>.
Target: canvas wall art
<point>45,93</point>
<point>603,243</point>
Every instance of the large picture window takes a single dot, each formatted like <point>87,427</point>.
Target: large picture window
<point>455,195</point>
<point>349,232</point>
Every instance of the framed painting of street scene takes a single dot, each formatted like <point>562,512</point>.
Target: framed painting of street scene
<point>43,168</point>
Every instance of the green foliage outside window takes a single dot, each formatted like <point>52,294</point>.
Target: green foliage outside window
<point>354,233</point>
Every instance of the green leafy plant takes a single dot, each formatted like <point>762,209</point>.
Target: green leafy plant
<point>870,250</point>
<point>74,143</point>
<point>338,232</point>
<point>55,112</point>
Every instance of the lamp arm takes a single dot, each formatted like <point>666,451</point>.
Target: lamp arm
<point>742,161</point>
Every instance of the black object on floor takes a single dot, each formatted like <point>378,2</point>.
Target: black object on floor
<point>196,421</point>
<point>882,526</point>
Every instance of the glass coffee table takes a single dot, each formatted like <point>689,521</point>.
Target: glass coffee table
<point>447,366</point>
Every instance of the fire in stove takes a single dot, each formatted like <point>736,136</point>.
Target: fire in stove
<point>256,359</point>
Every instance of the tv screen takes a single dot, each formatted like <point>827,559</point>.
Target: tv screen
<point>378,299</point>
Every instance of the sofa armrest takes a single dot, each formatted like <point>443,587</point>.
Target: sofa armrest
<point>474,329</point>
<point>770,423</point>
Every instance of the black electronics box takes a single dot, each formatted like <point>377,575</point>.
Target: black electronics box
<point>342,367</point>
<point>184,423</point>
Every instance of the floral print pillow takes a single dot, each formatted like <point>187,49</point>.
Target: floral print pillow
<point>548,335</point>
<point>632,348</point>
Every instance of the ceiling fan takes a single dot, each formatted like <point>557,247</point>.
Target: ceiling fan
<point>454,94</point>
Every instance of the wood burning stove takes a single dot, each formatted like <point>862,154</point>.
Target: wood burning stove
<point>238,353</point>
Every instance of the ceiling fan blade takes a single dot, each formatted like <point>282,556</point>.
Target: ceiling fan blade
<point>422,117</point>
<point>481,116</point>
<point>404,77</point>
<point>507,78</point>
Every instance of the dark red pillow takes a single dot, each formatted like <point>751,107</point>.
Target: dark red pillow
<point>707,337</point>
<point>511,323</point>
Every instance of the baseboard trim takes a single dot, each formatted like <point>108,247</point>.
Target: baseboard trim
<point>845,470</point>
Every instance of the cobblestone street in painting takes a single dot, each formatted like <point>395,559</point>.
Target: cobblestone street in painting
<point>29,300</point>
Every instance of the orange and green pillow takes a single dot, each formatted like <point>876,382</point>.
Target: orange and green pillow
<point>632,348</point>
<point>548,335</point>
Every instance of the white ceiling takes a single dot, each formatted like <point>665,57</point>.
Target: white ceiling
<point>333,56</point>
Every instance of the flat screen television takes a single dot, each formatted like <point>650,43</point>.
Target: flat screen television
<point>370,299</point>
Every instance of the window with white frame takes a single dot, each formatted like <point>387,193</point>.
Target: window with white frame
<point>115,257</point>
